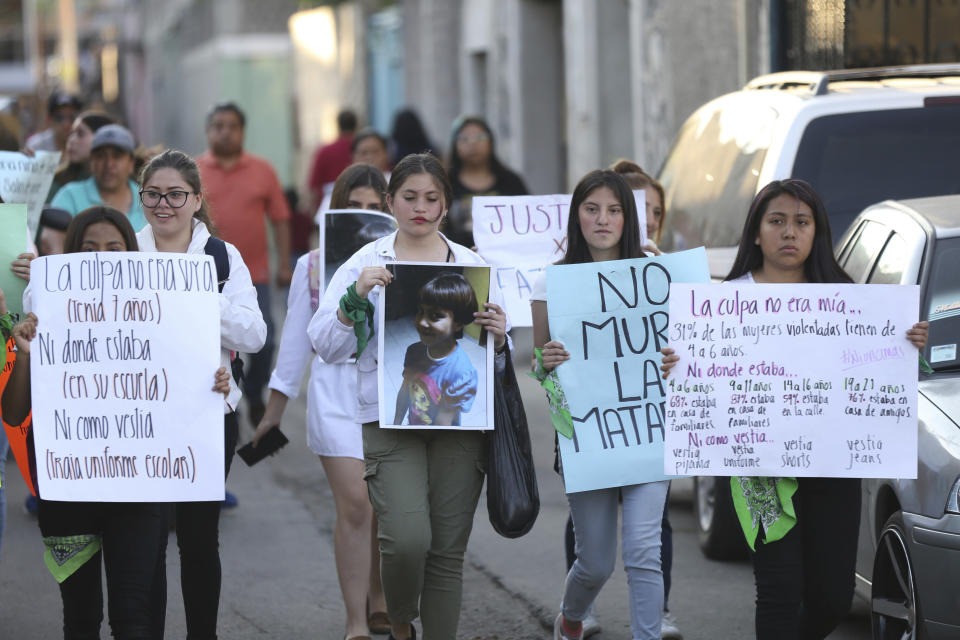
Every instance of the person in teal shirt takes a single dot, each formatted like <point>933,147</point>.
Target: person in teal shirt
<point>111,163</point>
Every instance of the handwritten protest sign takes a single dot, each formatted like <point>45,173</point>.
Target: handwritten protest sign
<point>806,380</point>
<point>126,349</point>
<point>520,235</point>
<point>612,319</point>
<point>26,180</point>
<point>523,234</point>
<point>13,242</point>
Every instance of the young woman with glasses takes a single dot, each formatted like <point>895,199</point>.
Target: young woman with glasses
<point>178,222</point>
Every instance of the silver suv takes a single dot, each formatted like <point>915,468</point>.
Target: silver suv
<point>858,136</point>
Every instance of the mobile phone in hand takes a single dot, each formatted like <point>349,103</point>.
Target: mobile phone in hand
<point>269,444</point>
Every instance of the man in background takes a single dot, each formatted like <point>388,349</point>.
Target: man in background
<point>62,110</point>
<point>331,159</point>
<point>242,190</point>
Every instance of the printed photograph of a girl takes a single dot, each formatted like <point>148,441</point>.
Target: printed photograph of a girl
<point>436,365</point>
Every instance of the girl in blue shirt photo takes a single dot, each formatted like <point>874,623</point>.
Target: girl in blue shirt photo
<point>439,381</point>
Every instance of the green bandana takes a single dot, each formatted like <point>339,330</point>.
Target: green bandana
<point>764,501</point>
<point>66,554</point>
<point>557,401</point>
<point>6,326</point>
<point>360,310</point>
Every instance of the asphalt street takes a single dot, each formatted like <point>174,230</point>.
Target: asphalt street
<point>280,581</point>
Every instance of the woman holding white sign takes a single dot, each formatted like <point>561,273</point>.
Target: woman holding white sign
<point>424,484</point>
<point>604,225</point>
<point>332,432</point>
<point>178,222</point>
<point>129,537</point>
<point>805,561</point>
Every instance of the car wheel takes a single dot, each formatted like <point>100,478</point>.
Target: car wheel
<point>718,529</point>
<point>895,612</point>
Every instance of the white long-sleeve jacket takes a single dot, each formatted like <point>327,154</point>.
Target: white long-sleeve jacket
<point>241,324</point>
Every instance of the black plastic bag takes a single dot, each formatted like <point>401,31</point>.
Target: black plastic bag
<point>513,500</point>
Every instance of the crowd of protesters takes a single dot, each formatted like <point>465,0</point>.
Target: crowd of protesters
<point>400,534</point>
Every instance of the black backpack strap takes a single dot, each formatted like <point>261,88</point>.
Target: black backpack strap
<point>217,249</point>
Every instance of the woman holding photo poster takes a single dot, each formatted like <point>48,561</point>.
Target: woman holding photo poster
<point>129,537</point>
<point>178,222</point>
<point>332,432</point>
<point>805,560</point>
<point>604,225</point>
<point>423,484</point>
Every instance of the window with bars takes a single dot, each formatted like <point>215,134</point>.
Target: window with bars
<point>836,34</point>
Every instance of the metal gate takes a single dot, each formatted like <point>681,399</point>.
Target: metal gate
<point>834,34</point>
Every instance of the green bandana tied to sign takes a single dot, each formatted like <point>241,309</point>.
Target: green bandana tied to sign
<point>66,554</point>
<point>764,501</point>
<point>6,326</point>
<point>360,310</point>
<point>557,401</point>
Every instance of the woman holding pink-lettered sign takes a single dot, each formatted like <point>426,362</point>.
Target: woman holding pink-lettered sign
<point>804,561</point>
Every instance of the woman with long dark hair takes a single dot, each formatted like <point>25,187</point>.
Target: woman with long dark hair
<point>805,560</point>
<point>126,540</point>
<point>475,170</point>
<point>604,225</point>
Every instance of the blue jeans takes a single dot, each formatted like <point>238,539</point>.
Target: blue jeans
<point>595,521</point>
<point>257,372</point>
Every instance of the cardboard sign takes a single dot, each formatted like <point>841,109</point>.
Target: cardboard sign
<point>612,319</point>
<point>121,372</point>
<point>26,180</point>
<point>435,368</point>
<point>801,380</point>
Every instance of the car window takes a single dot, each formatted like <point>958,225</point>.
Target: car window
<point>856,159</point>
<point>891,263</point>
<point>943,305</point>
<point>710,176</point>
<point>865,249</point>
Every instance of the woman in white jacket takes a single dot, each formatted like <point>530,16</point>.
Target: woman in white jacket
<point>424,484</point>
<point>332,432</point>
<point>178,222</point>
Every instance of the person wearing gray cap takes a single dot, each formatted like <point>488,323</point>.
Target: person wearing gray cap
<point>111,163</point>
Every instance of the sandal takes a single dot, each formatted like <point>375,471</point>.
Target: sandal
<point>379,622</point>
<point>413,633</point>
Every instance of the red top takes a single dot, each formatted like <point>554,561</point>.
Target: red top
<point>238,198</point>
<point>328,162</point>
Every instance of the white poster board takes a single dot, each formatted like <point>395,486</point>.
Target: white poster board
<point>521,235</point>
<point>810,380</point>
<point>26,180</point>
<point>122,368</point>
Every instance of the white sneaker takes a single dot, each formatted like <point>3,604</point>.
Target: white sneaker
<point>591,626</point>
<point>668,627</point>
<point>558,633</point>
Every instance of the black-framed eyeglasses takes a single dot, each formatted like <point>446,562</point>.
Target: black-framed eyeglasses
<point>175,199</point>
